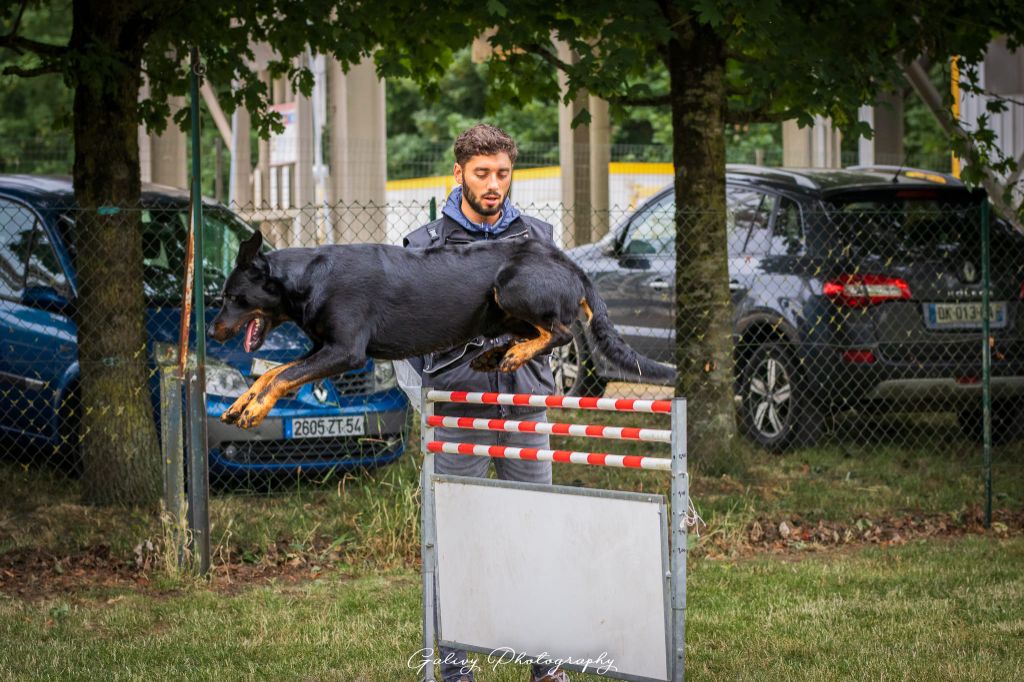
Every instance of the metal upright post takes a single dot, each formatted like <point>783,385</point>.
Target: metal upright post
<point>986,360</point>
<point>428,537</point>
<point>173,454</point>
<point>198,475</point>
<point>680,508</point>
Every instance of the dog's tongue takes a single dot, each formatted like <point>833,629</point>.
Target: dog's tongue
<point>250,334</point>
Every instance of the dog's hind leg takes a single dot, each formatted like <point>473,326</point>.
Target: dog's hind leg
<point>490,360</point>
<point>522,352</point>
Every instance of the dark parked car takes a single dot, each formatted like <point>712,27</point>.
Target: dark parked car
<point>856,288</point>
<point>359,419</point>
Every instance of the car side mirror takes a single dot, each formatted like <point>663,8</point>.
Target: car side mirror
<point>45,298</point>
<point>636,255</point>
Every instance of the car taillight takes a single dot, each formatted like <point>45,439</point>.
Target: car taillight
<point>863,290</point>
<point>859,357</point>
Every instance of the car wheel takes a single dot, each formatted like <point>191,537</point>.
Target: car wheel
<point>573,370</point>
<point>1007,424</point>
<point>774,412</point>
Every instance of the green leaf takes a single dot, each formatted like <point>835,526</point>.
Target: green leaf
<point>496,7</point>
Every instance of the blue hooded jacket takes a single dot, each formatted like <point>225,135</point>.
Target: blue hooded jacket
<point>453,209</point>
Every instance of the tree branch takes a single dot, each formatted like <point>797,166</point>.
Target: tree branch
<point>759,116</point>
<point>28,73</point>
<point>742,58</point>
<point>652,101</point>
<point>22,45</point>
<point>546,55</point>
<point>17,19</point>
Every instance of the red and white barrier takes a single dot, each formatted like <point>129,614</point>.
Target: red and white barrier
<point>553,428</point>
<point>566,456</point>
<point>565,401</point>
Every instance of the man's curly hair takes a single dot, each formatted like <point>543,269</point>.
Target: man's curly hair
<point>486,140</point>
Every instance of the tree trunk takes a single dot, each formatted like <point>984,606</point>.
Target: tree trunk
<point>696,64</point>
<point>120,451</point>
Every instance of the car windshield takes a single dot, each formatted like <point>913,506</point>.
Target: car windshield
<point>164,233</point>
<point>921,226</point>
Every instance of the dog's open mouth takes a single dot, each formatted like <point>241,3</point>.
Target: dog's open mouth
<point>255,331</point>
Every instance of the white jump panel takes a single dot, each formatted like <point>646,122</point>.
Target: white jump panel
<point>574,574</point>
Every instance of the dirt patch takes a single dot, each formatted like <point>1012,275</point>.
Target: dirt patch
<point>33,574</point>
<point>794,535</point>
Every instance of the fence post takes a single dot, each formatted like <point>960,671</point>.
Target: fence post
<point>198,475</point>
<point>428,535</point>
<point>172,446</point>
<point>986,360</point>
<point>680,509</point>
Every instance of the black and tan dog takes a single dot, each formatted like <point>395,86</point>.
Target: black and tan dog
<point>372,300</point>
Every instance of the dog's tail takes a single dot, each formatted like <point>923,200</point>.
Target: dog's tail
<point>613,347</point>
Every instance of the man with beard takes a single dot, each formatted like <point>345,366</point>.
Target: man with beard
<point>480,208</point>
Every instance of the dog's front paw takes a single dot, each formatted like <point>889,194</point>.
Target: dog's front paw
<point>490,360</point>
<point>255,411</point>
<point>250,418</point>
<point>232,414</point>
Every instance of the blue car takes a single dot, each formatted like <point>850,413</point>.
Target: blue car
<point>358,419</point>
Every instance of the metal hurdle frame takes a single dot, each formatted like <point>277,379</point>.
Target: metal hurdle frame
<point>676,465</point>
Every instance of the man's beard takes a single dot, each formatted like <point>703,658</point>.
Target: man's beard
<point>475,203</point>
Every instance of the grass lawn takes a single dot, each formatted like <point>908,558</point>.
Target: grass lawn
<point>937,609</point>
<point>863,558</point>
<point>370,518</point>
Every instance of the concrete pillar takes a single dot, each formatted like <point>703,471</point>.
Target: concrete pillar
<point>886,119</point>
<point>1003,76</point>
<point>816,146</point>
<point>574,160</point>
<point>358,154</point>
<point>168,155</point>
<point>303,189</point>
<point>145,149</point>
<point>337,123</point>
<point>600,157</point>
<point>241,183</point>
<point>261,182</point>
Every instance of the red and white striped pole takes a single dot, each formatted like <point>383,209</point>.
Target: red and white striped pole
<point>564,401</point>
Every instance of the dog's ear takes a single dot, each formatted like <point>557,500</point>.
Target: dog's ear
<point>249,249</point>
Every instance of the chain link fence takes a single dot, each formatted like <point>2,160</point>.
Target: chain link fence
<point>853,323</point>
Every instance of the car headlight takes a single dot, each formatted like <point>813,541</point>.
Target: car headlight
<point>224,380</point>
<point>383,375</point>
<point>221,378</point>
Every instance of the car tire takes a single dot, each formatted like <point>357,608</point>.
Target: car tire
<point>1007,421</point>
<point>573,369</point>
<point>775,411</point>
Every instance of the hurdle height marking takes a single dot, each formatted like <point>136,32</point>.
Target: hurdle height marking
<point>564,401</point>
<point>565,456</point>
<point>553,428</point>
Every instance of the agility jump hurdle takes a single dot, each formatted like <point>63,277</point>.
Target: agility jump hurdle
<point>646,575</point>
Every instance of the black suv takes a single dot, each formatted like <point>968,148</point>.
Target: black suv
<point>856,288</point>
